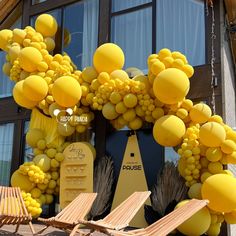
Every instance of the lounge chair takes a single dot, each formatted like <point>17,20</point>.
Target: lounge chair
<point>121,216</point>
<point>12,208</point>
<point>168,223</point>
<point>68,219</point>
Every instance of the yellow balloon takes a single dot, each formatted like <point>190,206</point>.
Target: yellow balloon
<point>65,129</point>
<point>195,191</point>
<point>212,134</point>
<point>14,52</point>
<point>119,74</point>
<point>18,35</point>
<point>21,181</point>
<point>171,86</point>
<point>50,43</point>
<point>5,36</point>
<point>43,162</point>
<point>130,100</point>
<point>213,154</point>
<point>108,57</point>
<point>35,192</point>
<point>29,58</point>
<point>6,68</point>
<point>230,217</point>
<point>200,113</point>
<point>35,88</point>
<point>169,130</point>
<point>66,91</point>
<point>109,111</point>
<point>33,136</point>
<point>89,74</point>
<point>143,79</point>
<point>228,146</point>
<point>220,190</point>
<point>135,124</point>
<point>19,97</point>
<point>46,25</point>
<point>197,224</point>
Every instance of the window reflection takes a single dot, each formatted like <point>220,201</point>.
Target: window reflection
<point>81,31</point>
<point>37,1</point>
<point>6,85</point>
<point>133,33</point>
<point>118,5</point>
<point>6,145</point>
<point>175,21</point>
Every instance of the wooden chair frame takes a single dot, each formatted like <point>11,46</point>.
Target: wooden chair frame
<point>69,218</point>
<point>12,208</point>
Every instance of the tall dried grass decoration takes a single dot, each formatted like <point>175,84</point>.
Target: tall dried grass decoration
<point>170,187</point>
<point>103,184</point>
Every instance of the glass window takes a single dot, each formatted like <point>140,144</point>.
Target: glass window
<point>133,33</point>
<point>81,31</point>
<point>181,27</point>
<point>118,5</point>
<point>6,144</point>
<point>28,151</point>
<point>6,85</point>
<point>55,13</point>
<point>37,1</point>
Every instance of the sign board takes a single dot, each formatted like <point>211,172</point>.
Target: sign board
<point>76,172</point>
<point>132,178</point>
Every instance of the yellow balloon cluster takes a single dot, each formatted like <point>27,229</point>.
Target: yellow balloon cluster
<point>52,84</point>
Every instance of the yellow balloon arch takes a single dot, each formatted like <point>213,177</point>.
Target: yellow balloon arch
<point>63,98</point>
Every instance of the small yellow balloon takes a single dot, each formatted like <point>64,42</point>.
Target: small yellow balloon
<point>200,113</point>
<point>108,57</point>
<point>5,36</point>
<point>169,130</point>
<point>212,134</point>
<point>46,25</point>
<point>29,58</point>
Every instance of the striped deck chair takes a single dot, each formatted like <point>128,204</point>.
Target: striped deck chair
<point>168,223</point>
<point>121,216</point>
<point>12,208</point>
<point>68,219</point>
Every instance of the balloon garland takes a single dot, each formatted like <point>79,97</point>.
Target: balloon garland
<point>54,89</point>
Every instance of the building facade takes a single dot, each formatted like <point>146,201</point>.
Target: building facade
<point>201,31</point>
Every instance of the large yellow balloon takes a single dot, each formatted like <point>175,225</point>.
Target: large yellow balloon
<point>29,58</point>
<point>66,91</point>
<point>200,113</point>
<point>109,111</point>
<point>108,57</point>
<point>197,224</point>
<point>212,134</point>
<point>19,97</point>
<point>220,190</point>
<point>35,88</point>
<point>46,25</point>
<point>5,36</point>
<point>171,86</point>
<point>169,130</point>
<point>22,181</point>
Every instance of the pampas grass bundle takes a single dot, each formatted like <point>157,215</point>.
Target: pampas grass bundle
<point>169,189</point>
<point>103,184</point>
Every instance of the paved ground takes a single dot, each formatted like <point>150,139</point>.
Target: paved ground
<point>24,230</point>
